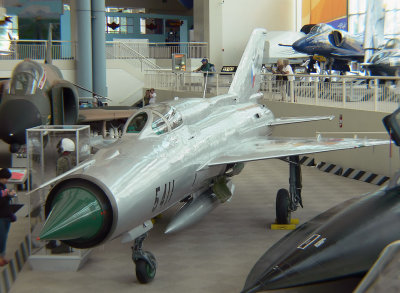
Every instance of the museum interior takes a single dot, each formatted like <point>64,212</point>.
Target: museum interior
<point>199,146</point>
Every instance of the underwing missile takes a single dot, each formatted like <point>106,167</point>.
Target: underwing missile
<point>194,210</point>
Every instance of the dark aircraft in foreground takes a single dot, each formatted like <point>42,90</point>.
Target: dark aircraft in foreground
<point>342,242</point>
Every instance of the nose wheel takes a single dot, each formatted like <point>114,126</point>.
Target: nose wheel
<point>145,262</point>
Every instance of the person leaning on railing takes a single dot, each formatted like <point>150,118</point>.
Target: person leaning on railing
<point>206,67</point>
<point>281,79</point>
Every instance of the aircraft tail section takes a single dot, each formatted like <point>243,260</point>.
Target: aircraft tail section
<point>374,28</point>
<point>247,78</point>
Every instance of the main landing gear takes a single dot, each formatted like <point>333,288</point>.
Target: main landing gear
<point>145,261</point>
<point>287,201</point>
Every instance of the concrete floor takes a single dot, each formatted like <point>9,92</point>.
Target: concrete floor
<point>214,255</point>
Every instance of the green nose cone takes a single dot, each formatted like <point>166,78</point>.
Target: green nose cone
<point>76,213</point>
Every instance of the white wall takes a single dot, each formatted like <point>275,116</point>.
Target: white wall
<point>216,33</point>
<point>240,17</point>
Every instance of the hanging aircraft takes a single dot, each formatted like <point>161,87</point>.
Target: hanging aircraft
<point>337,47</point>
<point>185,150</point>
<point>342,242</point>
<point>385,62</point>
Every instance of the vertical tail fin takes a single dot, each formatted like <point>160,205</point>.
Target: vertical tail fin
<point>247,78</point>
<point>374,28</point>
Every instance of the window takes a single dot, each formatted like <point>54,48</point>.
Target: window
<point>163,113</point>
<point>23,83</point>
<point>116,25</point>
<point>357,10</point>
<point>159,125</point>
<point>25,78</point>
<point>151,26</point>
<point>125,10</point>
<point>137,123</point>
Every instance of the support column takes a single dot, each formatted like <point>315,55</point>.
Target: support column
<point>207,24</point>
<point>84,48</point>
<point>99,48</point>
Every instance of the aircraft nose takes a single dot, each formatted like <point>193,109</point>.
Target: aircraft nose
<point>299,46</point>
<point>78,214</point>
<point>15,117</point>
<point>263,280</point>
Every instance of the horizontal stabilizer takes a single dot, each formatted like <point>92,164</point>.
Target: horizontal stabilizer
<point>290,120</point>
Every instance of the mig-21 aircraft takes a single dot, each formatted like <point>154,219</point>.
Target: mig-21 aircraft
<point>185,150</point>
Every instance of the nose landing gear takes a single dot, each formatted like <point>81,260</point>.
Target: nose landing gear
<point>146,264</point>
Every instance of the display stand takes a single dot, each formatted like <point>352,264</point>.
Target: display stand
<point>42,156</point>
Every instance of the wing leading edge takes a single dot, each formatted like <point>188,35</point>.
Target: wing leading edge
<point>269,148</point>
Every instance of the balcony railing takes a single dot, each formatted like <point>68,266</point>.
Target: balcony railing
<point>36,49</point>
<point>381,94</point>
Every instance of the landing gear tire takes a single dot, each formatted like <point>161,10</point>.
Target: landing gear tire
<point>145,262</point>
<point>283,214</point>
<point>146,268</point>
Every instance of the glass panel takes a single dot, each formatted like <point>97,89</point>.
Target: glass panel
<point>137,124</point>
<point>151,26</point>
<point>173,27</point>
<point>357,10</point>
<point>173,117</point>
<point>159,125</point>
<point>23,83</point>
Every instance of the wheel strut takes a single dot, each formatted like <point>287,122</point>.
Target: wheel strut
<point>287,201</point>
<point>145,261</point>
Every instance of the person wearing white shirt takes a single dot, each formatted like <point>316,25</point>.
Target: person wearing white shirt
<point>287,69</point>
<point>153,96</point>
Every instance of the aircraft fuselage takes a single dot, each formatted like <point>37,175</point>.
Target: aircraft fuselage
<point>148,172</point>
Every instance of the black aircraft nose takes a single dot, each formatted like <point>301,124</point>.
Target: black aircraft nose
<point>300,46</point>
<point>15,117</point>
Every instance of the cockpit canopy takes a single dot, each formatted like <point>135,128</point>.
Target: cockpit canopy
<point>320,28</point>
<point>393,44</point>
<point>25,78</point>
<point>164,118</point>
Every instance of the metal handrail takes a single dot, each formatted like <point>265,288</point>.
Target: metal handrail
<point>351,92</point>
<point>142,58</point>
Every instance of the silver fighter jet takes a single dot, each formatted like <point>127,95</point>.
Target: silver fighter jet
<point>184,150</point>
